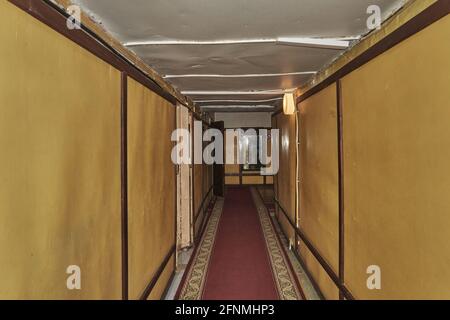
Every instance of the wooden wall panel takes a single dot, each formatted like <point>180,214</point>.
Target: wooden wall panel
<point>60,165</point>
<point>286,175</point>
<point>252,180</point>
<point>198,196</point>
<point>211,181</point>
<point>275,177</point>
<point>232,180</point>
<point>397,174</point>
<point>151,184</point>
<point>318,170</point>
<point>232,169</point>
<point>203,182</point>
<point>165,277</point>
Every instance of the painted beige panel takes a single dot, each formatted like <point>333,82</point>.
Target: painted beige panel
<point>232,180</point>
<point>286,174</point>
<point>253,180</point>
<point>324,282</point>
<point>232,168</point>
<point>206,179</point>
<point>275,177</point>
<point>151,184</point>
<point>60,165</point>
<point>163,281</point>
<point>318,171</point>
<point>207,184</point>
<point>397,174</point>
<point>244,119</point>
<point>198,187</point>
<point>198,196</point>
<point>198,223</point>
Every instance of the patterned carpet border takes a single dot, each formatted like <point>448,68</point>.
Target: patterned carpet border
<point>194,280</point>
<point>285,280</point>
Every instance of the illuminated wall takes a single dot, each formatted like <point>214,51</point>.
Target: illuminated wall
<point>60,196</point>
<point>396,143</point>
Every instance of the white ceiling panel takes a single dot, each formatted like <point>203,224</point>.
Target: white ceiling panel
<point>246,84</point>
<point>137,20</point>
<point>214,21</point>
<point>234,59</point>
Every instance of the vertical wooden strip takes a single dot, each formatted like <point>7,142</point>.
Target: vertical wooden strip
<point>275,177</point>
<point>202,208</point>
<point>124,182</point>
<point>191,177</point>
<point>340,184</point>
<point>297,178</point>
<point>177,171</point>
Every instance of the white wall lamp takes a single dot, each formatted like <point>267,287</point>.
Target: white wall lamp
<point>289,104</point>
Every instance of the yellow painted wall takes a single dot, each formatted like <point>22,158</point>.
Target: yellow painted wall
<point>161,285</point>
<point>232,168</point>
<point>198,196</point>
<point>203,179</point>
<point>231,180</point>
<point>252,180</point>
<point>60,165</point>
<point>151,184</point>
<point>397,176</point>
<point>286,179</point>
<point>318,170</point>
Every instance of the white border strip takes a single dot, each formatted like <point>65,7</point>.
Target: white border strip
<point>244,101</point>
<point>251,75</point>
<point>263,92</point>
<point>324,43</point>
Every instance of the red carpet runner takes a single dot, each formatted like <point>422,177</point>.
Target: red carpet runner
<point>239,256</point>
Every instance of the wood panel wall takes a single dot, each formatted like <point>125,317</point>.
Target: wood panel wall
<point>397,177</point>
<point>286,177</point>
<point>60,165</point>
<point>395,141</point>
<point>198,197</point>
<point>151,185</point>
<point>62,129</point>
<point>203,192</point>
<point>318,189</point>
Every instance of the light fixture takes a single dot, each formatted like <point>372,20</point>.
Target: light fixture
<point>289,104</point>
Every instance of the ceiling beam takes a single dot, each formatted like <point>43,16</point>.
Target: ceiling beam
<point>322,43</point>
<point>250,75</point>
<point>195,42</point>
<point>238,101</point>
<point>229,93</point>
<point>255,108</point>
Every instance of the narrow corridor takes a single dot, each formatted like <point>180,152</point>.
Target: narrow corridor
<point>240,255</point>
<point>216,150</point>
